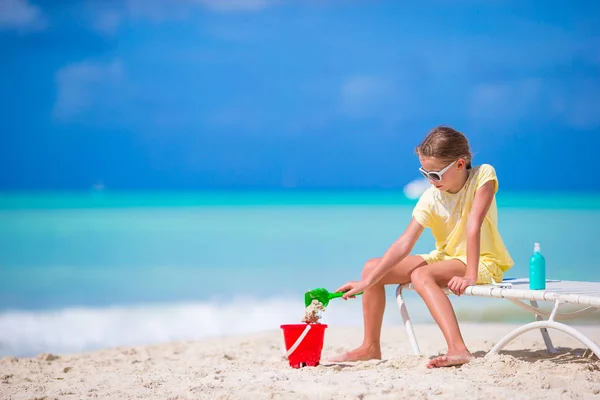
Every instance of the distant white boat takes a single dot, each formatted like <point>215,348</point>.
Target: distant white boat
<point>415,189</point>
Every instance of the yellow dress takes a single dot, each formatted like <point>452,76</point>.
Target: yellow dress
<point>447,214</point>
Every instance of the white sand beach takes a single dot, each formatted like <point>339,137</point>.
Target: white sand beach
<point>252,367</point>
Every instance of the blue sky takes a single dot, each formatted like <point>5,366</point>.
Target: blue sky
<point>193,94</point>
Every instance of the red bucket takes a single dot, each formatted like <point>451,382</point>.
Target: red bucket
<point>304,343</point>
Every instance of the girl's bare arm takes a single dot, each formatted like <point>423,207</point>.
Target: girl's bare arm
<point>481,204</point>
<point>396,252</point>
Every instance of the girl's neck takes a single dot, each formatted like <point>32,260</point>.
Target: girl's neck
<point>460,184</point>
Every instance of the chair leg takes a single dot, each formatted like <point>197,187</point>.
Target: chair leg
<point>543,324</point>
<point>550,323</point>
<point>544,331</point>
<point>407,323</point>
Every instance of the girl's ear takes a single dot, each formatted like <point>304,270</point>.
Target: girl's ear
<point>461,163</point>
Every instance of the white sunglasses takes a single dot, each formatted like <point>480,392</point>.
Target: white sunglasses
<point>436,176</point>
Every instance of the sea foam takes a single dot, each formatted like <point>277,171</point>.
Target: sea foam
<point>73,330</point>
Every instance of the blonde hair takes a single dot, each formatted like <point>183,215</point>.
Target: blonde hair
<point>446,144</point>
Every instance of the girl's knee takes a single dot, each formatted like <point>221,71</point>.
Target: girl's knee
<point>420,276</point>
<point>369,265</point>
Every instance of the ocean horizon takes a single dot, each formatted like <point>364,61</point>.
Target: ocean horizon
<point>85,270</point>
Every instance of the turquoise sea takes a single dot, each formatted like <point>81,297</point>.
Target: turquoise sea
<point>81,271</point>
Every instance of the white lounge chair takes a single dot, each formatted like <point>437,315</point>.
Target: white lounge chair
<point>582,294</point>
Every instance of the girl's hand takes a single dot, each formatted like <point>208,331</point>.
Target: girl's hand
<point>352,288</point>
<point>458,284</point>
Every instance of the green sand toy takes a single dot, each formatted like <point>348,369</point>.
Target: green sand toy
<point>322,296</point>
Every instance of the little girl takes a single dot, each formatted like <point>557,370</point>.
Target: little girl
<point>460,209</point>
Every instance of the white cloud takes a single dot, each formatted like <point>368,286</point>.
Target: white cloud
<point>20,15</point>
<point>166,9</point>
<point>361,95</point>
<point>575,103</point>
<point>107,21</point>
<point>503,100</point>
<point>236,5</point>
<point>157,10</point>
<point>578,105</point>
<point>233,33</point>
<point>107,17</point>
<point>83,85</point>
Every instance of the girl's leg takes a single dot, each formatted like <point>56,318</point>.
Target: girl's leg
<point>373,302</point>
<point>428,281</point>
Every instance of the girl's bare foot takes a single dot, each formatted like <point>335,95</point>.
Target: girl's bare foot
<point>359,354</point>
<point>450,359</point>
